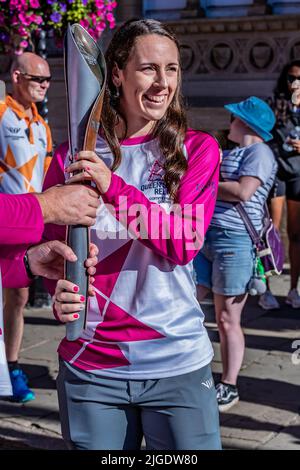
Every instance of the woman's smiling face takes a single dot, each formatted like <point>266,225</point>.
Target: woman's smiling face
<point>149,80</point>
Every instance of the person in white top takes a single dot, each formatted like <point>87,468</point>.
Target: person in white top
<point>142,364</point>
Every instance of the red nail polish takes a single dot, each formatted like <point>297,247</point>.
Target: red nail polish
<point>76,289</point>
<point>82,298</point>
<point>75,315</point>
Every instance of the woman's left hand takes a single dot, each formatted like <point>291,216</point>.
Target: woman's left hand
<point>91,168</point>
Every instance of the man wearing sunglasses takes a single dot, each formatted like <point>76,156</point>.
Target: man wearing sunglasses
<point>25,155</point>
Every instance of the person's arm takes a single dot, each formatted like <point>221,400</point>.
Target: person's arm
<point>45,259</point>
<point>21,219</point>
<point>13,271</point>
<point>238,191</point>
<point>49,154</point>
<point>256,168</point>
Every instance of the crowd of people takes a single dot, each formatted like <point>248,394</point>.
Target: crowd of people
<point>142,365</point>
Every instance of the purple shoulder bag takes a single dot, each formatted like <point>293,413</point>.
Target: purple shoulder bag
<point>269,246</point>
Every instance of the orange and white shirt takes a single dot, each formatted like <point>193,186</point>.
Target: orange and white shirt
<point>25,149</point>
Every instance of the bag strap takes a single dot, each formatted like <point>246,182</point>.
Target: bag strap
<point>254,235</point>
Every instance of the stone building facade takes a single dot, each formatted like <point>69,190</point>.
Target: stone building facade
<point>230,49</point>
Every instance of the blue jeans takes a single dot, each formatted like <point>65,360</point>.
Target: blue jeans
<point>173,413</point>
<point>226,261</point>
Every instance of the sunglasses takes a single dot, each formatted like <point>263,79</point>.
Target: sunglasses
<point>292,78</point>
<point>36,78</point>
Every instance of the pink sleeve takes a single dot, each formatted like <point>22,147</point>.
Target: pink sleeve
<point>21,219</point>
<point>55,175</point>
<point>178,236</point>
<point>13,271</point>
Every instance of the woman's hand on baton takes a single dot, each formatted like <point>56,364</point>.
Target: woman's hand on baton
<point>67,297</point>
<point>91,168</point>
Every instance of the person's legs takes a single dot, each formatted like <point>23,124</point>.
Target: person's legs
<point>202,292</point>
<point>14,303</point>
<point>228,316</point>
<point>96,414</point>
<point>276,210</point>
<point>181,413</point>
<point>293,229</point>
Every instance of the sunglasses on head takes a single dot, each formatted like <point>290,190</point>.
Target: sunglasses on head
<point>35,78</point>
<point>292,78</point>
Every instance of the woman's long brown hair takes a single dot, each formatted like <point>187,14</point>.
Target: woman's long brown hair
<point>170,129</point>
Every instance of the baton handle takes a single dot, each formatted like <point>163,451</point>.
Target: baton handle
<point>78,240</point>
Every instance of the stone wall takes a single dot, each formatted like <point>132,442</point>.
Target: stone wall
<point>223,60</point>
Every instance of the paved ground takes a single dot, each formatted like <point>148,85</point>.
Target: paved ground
<point>267,417</point>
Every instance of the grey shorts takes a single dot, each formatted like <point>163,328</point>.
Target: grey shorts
<point>175,413</point>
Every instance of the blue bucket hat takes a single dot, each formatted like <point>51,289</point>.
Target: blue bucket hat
<point>256,113</point>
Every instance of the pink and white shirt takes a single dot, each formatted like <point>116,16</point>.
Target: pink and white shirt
<point>145,321</point>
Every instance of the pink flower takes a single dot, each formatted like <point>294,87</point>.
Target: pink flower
<point>25,20</point>
<point>24,44</point>
<point>22,32</point>
<point>34,3</point>
<point>92,33</point>
<point>99,14</point>
<point>110,17</point>
<point>93,17</point>
<point>37,19</point>
<point>100,27</point>
<point>84,23</point>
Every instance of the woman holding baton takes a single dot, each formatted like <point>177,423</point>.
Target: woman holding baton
<point>142,365</point>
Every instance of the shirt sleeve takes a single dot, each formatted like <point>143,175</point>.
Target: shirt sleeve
<point>49,154</point>
<point>258,162</point>
<point>21,219</point>
<point>178,235</point>
<point>13,271</point>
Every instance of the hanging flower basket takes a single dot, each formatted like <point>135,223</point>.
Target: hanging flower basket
<point>19,19</point>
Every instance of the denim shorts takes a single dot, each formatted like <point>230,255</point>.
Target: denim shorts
<point>226,261</point>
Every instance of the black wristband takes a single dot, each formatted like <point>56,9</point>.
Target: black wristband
<point>27,267</point>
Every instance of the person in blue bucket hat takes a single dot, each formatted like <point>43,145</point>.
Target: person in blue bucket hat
<point>226,263</point>
<point>256,114</point>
